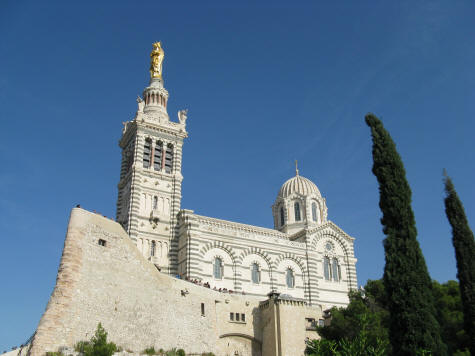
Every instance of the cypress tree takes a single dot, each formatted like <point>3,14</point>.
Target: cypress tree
<point>412,323</point>
<point>464,245</point>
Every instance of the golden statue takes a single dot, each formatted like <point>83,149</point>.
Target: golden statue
<point>156,60</point>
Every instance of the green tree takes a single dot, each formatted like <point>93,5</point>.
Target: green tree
<point>464,244</point>
<point>362,316</point>
<point>450,315</point>
<point>98,346</point>
<point>355,330</point>
<point>413,325</point>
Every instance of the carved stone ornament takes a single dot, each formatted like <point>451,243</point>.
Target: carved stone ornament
<point>182,116</point>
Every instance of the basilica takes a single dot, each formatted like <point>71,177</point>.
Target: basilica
<point>162,276</point>
<point>305,256</point>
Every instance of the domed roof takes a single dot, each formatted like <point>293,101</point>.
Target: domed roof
<point>300,185</point>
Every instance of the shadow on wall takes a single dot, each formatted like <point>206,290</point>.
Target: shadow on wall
<point>240,344</point>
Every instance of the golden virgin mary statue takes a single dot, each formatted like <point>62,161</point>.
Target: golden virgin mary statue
<point>156,60</point>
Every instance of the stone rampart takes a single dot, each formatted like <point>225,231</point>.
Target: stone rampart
<point>103,278</point>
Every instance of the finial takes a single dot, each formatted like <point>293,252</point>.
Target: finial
<point>156,60</point>
<point>296,168</point>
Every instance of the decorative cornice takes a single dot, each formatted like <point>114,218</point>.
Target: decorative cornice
<point>239,226</point>
<point>334,227</point>
<point>169,127</point>
<point>238,230</point>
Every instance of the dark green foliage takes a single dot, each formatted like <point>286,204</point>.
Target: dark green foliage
<point>371,308</point>
<point>180,352</point>
<point>98,346</point>
<point>321,347</point>
<point>413,325</point>
<point>362,316</point>
<point>363,339</point>
<point>150,351</point>
<point>450,315</point>
<point>464,244</point>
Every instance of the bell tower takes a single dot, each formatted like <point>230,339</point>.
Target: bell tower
<point>150,177</point>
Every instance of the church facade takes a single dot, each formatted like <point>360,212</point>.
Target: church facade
<point>305,256</point>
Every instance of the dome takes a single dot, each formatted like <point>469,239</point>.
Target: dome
<point>299,185</point>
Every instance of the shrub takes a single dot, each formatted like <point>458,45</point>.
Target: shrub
<point>150,351</point>
<point>98,346</point>
<point>180,352</point>
<point>81,346</point>
<point>55,353</point>
<point>173,352</point>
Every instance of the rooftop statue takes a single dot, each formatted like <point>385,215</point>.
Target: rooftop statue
<point>156,61</point>
<point>182,116</point>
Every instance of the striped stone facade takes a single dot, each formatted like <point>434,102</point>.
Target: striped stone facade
<point>202,239</point>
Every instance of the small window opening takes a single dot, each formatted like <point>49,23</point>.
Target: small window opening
<point>256,273</point>
<point>157,156</point>
<point>290,279</point>
<point>231,316</point>
<point>152,248</point>
<point>218,268</point>
<point>321,322</point>
<point>243,317</point>
<point>297,211</point>
<point>314,211</point>
<point>102,242</point>
<point>336,270</point>
<point>155,202</point>
<point>147,149</point>
<point>203,309</point>
<point>282,217</point>
<point>327,268</point>
<point>310,324</point>
<point>169,158</point>
<point>237,316</point>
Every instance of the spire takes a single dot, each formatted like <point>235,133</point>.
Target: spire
<point>296,168</point>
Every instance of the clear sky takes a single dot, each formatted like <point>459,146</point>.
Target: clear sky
<point>264,84</point>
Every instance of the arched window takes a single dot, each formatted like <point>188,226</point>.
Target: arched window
<point>336,270</point>
<point>169,158</point>
<point>147,148</point>
<point>282,217</point>
<point>152,248</point>
<point>256,273</point>
<point>157,156</point>
<point>155,202</point>
<point>314,211</point>
<point>297,211</point>
<point>327,268</point>
<point>289,278</point>
<point>218,268</point>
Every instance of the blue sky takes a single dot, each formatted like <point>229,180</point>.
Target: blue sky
<point>264,85</point>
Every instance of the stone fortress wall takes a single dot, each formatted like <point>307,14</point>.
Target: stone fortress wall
<point>104,278</point>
